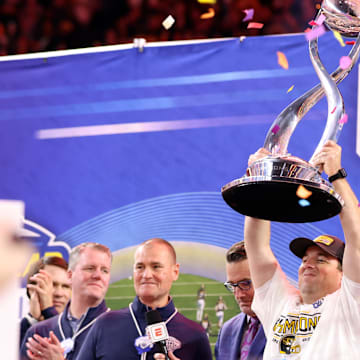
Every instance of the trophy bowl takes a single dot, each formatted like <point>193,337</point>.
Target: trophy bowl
<point>342,16</point>
<point>269,189</point>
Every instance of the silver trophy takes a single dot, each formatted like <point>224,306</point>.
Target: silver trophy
<point>269,189</point>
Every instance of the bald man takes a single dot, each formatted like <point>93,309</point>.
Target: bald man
<point>121,334</point>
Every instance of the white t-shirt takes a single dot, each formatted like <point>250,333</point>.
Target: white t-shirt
<point>290,326</point>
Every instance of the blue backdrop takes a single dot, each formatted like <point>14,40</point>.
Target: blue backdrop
<point>119,145</point>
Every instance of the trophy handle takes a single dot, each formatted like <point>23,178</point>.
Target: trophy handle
<point>277,142</point>
<point>336,109</point>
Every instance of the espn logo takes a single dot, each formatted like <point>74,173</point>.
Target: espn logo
<point>157,332</point>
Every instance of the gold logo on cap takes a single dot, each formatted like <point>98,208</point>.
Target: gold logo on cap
<point>324,240</point>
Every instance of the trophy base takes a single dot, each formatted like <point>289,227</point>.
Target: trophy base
<point>269,191</point>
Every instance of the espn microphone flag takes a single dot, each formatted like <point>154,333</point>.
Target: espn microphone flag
<point>157,330</point>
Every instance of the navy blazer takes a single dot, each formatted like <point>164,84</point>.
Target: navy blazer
<point>43,329</point>
<point>228,343</point>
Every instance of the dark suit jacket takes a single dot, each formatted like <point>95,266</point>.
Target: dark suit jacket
<point>228,343</point>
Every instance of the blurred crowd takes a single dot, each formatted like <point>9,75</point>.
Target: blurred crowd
<point>44,25</point>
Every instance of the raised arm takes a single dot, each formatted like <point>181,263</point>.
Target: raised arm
<point>262,261</point>
<point>330,158</point>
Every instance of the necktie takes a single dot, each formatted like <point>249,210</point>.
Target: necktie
<point>248,338</point>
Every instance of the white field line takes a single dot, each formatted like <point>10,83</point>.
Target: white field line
<point>194,309</point>
<point>175,284</point>
<point>174,296</point>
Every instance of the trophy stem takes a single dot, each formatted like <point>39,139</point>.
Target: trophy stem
<point>286,122</point>
<point>336,108</point>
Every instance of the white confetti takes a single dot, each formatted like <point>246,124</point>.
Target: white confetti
<point>168,22</point>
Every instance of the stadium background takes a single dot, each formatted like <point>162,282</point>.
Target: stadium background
<point>183,118</point>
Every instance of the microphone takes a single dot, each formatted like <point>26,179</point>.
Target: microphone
<point>157,331</point>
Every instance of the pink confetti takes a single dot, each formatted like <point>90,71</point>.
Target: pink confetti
<point>344,119</point>
<point>313,23</point>
<point>345,62</point>
<point>321,19</point>
<point>315,33</point>
<point>255,25</point>
<point>275,129</point>
<point>333,110</point>
<point>249,14</point>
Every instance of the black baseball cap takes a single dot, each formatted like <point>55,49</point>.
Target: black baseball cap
<point>329,243</point>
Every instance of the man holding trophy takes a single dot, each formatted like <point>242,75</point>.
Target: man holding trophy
<point>321,319</point>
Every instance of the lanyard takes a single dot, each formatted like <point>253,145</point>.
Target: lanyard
<point>78,330</point>
<point>143,355</point>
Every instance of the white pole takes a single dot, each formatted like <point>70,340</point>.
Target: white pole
<point>13,256</point>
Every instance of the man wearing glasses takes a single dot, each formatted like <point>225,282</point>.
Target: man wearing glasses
<point>242,337</point>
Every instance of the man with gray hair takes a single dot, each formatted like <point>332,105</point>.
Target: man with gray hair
<point>61,337</point>
<point>122,334</point>
<point>242,337</point>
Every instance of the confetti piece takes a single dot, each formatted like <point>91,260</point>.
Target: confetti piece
<point>302,192</point>
<point>315,33</point>
<point>212,2</point>
<point>339,38</point>
<point>350,42</point>
<point>255,25</point>
<point>290,88</point>
<point>282,60</point>
<point>210,14</point>
<point>168,22</point>
<point>304,203</point>
<point>321,19</point>
<point>318,22</point>
<point>275,129</point>
<point>333,110</point>
<point>249,14</point>
<point>318,6</point>
<point>345,62</point>
<point>344,119</point>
